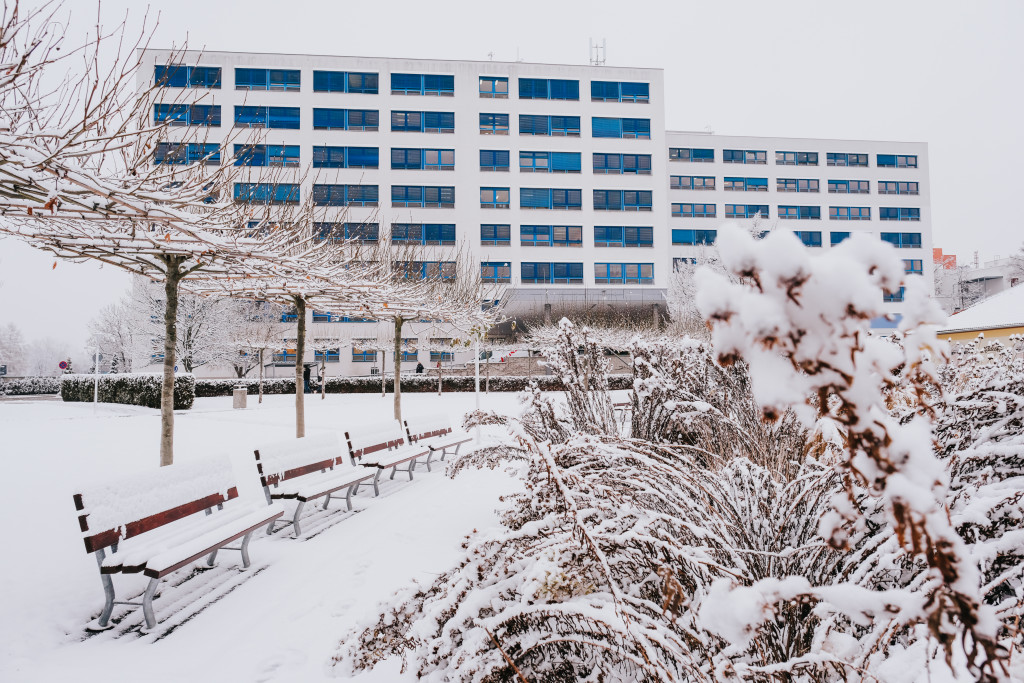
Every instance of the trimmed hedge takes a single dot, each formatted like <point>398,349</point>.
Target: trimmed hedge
<point>29,386</point>
<point>410,385</point>
<point>139,389</point>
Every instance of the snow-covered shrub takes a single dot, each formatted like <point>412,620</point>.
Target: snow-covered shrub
<point>140,389</point>
<point>206,388</point>
<point>26,386</point>
<point>801,323</point>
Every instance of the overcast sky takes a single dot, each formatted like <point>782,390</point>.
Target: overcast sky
<point>947,73</point>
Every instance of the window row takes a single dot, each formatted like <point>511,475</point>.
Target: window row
<point>694,210</point>
<point>682,182</point>
<point>753,156</point>
<point>567,235</point>
<point>181,76</point>
<point>813,238</point>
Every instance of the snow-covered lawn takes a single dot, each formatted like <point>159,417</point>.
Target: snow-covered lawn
<point>282,621</point>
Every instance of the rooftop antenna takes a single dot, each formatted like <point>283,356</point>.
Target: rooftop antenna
<point>490,56</point>
<point>518,58</point>
<point>598,52</point>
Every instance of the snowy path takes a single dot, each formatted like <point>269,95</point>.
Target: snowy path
<point>280,622</point>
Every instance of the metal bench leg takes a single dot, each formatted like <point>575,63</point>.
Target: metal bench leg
<point>147,603</point>
<point>108,593</point>
<point>430,457</point>
<point>270,527</point>
<point>393,470</point>
<point>245,550</point>
<point>295,519</point>
<point>327,500</point>
<point>376,479</point>
<point>412,466</point>
<point>348,496</point>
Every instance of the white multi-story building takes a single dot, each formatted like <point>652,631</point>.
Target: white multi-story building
<point>562,180</point>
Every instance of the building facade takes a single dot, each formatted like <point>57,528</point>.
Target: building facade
<point>561,180</point>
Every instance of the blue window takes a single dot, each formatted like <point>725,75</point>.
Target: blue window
<point>624,273</point>
<point>550,198</point>
<point>363,355</point>
<point>499,235</point>
<point>692,182</point>
<point>623,236</point>
<point>849,213</point>
<point>747,184</point>
<point>423,233</point>
<point>551,235</point>
<point>494,197</point>
<point>796,184</point>
<point>409,350</point>
<point>187,114</point>
<point>346,81</point>
<point>548,89</point>
<point>638,164</point>
<point>494,86</point>
<point>913,266</point>
<point>531,124</point>
<point>345,157</point>
<point>679,264</point>
<point>695,210</point>
<point>423,121</point>
<point>551,273</point>
<point>744,156</point>
<point>494,124</point>
<point>746,210</point>
<point>430,196</point>
<point>903,240</point>
<point>892,213</point>
<point>810,238</point>
<point>266,155</point>
<point>178,76</point>
<point>800,212</point>
<point>894,297</point>
<point>494,159</point>
<point>837,237</point>
<point>364,232</point>
<point>428,159</point>
<point>326,355</point>
<point>428,270</point>
<point>267,79</point>
<point>696,155</point>
<point>846,159</point>
<point>321,317</point>
<point>346,119</point>
<point>894,187</point>
<point>549,162</point>
<point>896,160</point>
<point>694,237</point>
<point>796,158</point>
<point>422,84</point>
<point>439,355</point>
<point>496,271</point>
<point>849,186</point>
<point>267,117</point>
<point>622,200</point>
<point>617,91</point>
<point>267,193</point>
<point>621,128</point>
<point>187,153</point>
<point>345,195</point>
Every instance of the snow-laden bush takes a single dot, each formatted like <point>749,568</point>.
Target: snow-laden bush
<point>26,386</point>
<point>206,388</point>
<point>140,389</point>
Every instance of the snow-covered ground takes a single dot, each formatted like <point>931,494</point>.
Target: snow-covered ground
<point>279,622</point>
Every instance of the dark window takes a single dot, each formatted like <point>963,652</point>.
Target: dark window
<point>422,84</point>
<point>267,193</point>
<point>494,86</point>
<point>623,236</point>
<point>495,234</point>
<point>624,273</point>
<point>694,237</point>
<point>849,213</point>
<point>187,114</point>
<point>345,81</point>
<point>494,160</point>
<point>691,154</point>
<point>178,76</point>
<point>800,212</point>
<point>744,156</point>
<point>615,91</point>
<point>896,160</point>
<point>796,158</point>
<point>621,128</point>
<point>496,271</point>
<point>809,238</point>
<point>846,159</point>
<point>267,79</point>
<point>694,210</point>
<point>345,195</point>
<point>530,124</point>
<point>891,213</point>
<point>548,89</point>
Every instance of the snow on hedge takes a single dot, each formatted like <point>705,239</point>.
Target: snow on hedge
<point>140,389</point>
<point>27,386</point>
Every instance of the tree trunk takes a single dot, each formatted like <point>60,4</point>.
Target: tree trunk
<point>383,371</point>
<point>300,350</point>
<point>171,283</point>
<point>487,382</point>
<point>261,375</point>
<point>398,368</point>
<point>439,376</point>
<point>323,375</point>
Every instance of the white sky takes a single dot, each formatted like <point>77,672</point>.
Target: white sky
<point>948,73</point>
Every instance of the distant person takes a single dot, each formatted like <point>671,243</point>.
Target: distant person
<point>419,368</point>
<point>306,372</point>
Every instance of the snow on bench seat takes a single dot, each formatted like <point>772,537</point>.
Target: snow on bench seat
<point>435,432</point>
<point>307,469</point>
<point>383,446</point>
<point>149,522</point>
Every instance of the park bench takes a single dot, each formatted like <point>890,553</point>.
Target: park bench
<point>436,433</point>
<point>150,523</point>
<point>383,446</point>
<point>308,469</point>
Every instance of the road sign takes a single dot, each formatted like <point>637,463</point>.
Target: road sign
<point>63,365</point>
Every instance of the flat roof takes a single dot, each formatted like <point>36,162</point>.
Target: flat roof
<point>393,59</point>
<point>787,137</point>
